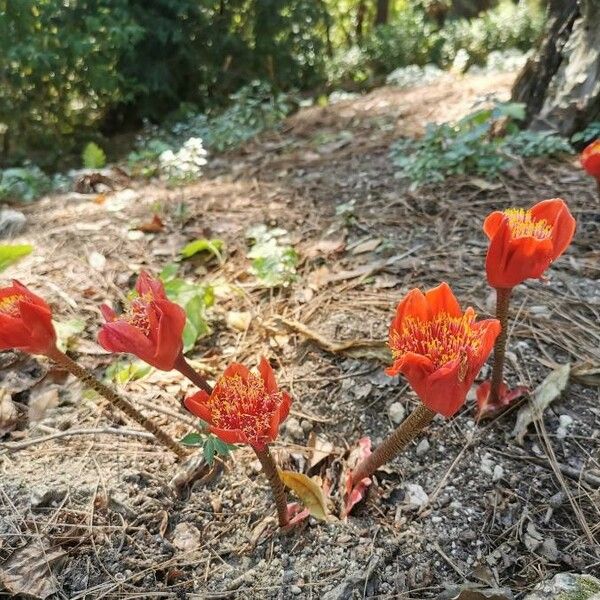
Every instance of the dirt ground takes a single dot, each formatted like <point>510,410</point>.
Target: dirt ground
<point>98,511</point>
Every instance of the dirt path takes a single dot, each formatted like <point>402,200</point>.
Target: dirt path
<point>498,515</point>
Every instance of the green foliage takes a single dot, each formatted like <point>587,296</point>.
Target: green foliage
<point>93,156</point>
<point>273,262</point>
<point>588,135</point>
<point>195,299</point>
<point>23,184</point>
<point>470,146</point>
<point>211,445</point>
<point>143,162</point>
<point>214,246</point>
<point>11,253</point>
<point>124,371</point>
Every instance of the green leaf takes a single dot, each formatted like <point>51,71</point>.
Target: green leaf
<point>209,450</point>
<point>169,272</point>
<point>214,246</point>
<point>11,253</point>
<point>93,156</point>
<point>124,371</point>
<point>192,439</point>
<point>67,331</point>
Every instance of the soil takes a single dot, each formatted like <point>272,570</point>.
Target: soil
<point>498,514</point>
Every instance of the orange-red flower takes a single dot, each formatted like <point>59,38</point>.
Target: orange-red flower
<point>523,243</point>
<point>151,327</point>
<point>590,159</point>
<point>244,408</point>
<point>438,348</point>
<point>25,321</point>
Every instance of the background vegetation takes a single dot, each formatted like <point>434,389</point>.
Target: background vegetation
<point>80,71</point>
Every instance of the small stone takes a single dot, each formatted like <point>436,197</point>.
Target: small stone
<point>186,537</point>
<point>557,499</point>
<point>306,425</point>
<point>396,411</point>
<point>294,429</point>
<point>12,223</point>
<point>295,589</point>
<point>564,422</point>
<point>498,473</point>
<point>416,497</point>
<point>423,447</point>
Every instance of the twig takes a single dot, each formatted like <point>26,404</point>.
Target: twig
<point>16,446</point>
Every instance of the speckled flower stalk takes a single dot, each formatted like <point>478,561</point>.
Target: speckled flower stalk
<point>502,305</point>
<point>279,494</point>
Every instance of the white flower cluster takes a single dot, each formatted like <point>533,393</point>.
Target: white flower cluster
<point>186,163</point>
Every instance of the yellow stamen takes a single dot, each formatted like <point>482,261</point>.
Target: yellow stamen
<point>9,305</point>
<point>442,339</point>
<point>522,224</point>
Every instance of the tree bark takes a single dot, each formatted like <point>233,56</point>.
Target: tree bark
<point>560,84</point>
<point>382,12</point>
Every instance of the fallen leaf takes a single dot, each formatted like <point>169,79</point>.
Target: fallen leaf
<point>318,278</point>
<point>9,415</point>
<point>354,494</point>
<point>28,571</point>
<point>483,184</point>
<point>40,401</point>
<point>470,591</point>
<point>487,409</point>
<point>550,389</point>
<point>100,199</point>
<point>325,248</point>
<point>156,225</point>
<point>239,321</point>
<point>308,491</point>
<point>366,246</point>
<point>296,513</point>
<point>320,449</point>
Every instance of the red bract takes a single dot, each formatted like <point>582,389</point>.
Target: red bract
<point>523,243</point>
<point>590,159</point>
<point>438,348</point>
<point>244,408</point>
<point>151,327</point>
<point>25,321</point>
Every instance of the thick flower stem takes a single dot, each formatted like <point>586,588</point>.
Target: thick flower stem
<point>123,405</point>
<point>392,445</point>
<point>502,303</point>
<point>270,470</point>
<point>184,367</point>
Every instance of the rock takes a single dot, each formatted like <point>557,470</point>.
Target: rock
<point>396,411</point>
<point>12,223</point>
<point>423,447</point>
<point>567,586</point>
<point>416,497</point>
<point>564,422</point>
<point>498,473</point>
<point>296,590</point>
<point>294,429</point>
<point>186,537</point>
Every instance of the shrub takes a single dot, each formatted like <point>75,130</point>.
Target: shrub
<point>93,156</point>
<point>23,184</point>
<point>472,147</point>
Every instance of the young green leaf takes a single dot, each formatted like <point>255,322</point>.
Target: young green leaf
<point>11,253</point>
<point>215,247</point>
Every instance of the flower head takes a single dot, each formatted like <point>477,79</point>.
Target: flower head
<point>523,243</point>
<point>151,327</point>
<point>590,159</point>
<point>25,321</point>
<point>244,407</point>
<point>438,348</point>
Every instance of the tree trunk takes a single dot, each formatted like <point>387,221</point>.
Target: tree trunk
<point>560,84</point>
<point>360,20</point>
<point>382,13</point>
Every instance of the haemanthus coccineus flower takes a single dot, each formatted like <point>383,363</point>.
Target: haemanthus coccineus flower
<point>244,407</point>
<point>438,348</point>
<point>151,328</point>
<point>590,159</point>
<point>524,242</point>
<point>25,321</point>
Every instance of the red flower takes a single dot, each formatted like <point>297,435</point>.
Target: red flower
<point>25,321</point>
<point>243,408</point>
<point>590,159</point>
<point>523,243</point>
<point>438,348</point>
<point>151,328</point>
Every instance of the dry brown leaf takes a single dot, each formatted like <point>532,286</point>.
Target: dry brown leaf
<point>27,572</point>
<point>320,449</point>
<point>40,401</point>
<point>318,278</point>
<point>156,225</point>
<point>325,248</point>
<point>9,415</point>
<point>550,389</point>
<point>366,246</point>
<point>308,491</point>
